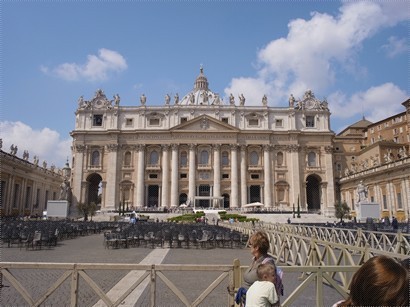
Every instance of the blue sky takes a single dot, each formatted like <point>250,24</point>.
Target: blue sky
<point>354,53</point>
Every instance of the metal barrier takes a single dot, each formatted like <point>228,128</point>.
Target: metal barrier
<point>284,236</point>
<point>231,274</point>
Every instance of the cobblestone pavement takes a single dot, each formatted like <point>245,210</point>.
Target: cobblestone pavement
<point>90,249</point>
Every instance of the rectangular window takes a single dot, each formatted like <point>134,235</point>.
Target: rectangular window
<point>128,122</point>
<point>399,203</point>
<point>154,121</point>
<point>183,176</point>
<point>97,120</point>
<point>372,199</point>
<point>37,199</point>
<point>225,120</point>
<point>28,197</point>
<point>184,119</point>
<point>2,190</point>
<point>254,176</point>
<point>16,195</point>
<point>225,176</point>
<point>253,122</point>
<point>279,123</point>
<point>153,176</point>
<point>310,121</point>
<point>384,202</point>
<point>46,200</point>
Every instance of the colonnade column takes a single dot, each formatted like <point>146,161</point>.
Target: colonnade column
<point>244,194</point>
<point>165,177</point>
<point>267,176</point>
<point>217,171</point>
<point>174,176</point>
<point>192,172</point>
<point>234,177</point>
<point>140,176</point>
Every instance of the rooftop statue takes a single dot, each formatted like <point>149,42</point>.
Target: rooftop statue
<point>117,99</point>
<point>176,98</point>
<point>143,99</point>
<point>13,149</point>
<point>167,99</point>
<point>231,99</point>
<point>241,100</point>
<point>291,101</point>
<point>264,100</point>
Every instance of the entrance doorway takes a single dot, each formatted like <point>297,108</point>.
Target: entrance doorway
<point>94,189</point>
<point>313,193</point>
<point>204,190</point>
<point>254,193</point>
<point>153,195</point>
<point>226,200</point>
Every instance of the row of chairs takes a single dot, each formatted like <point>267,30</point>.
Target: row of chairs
<point>174,236</point>
<point>38,234</point>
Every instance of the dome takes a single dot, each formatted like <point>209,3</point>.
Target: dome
<point>201,95</point>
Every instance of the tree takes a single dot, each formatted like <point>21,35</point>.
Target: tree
<point>87,210</point>
<point>342,209</point>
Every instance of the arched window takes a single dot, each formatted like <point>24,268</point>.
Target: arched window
<point>225,158</point>
<point>153,158</point>
<point>95,158</point>
<point>311,159</point>
<point>127,159</point>
<point>184,158</point>
<point>254,159</point>
<point>279,159</point>
<point>204,157</point>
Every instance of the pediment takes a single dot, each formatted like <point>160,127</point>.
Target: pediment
<point>204,123</point>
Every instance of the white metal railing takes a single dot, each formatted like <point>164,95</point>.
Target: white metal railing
<point>336,276</point>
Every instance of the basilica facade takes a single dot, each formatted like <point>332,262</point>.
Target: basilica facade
<point>199,150</point>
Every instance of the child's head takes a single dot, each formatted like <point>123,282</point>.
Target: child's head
<point>266,272</point>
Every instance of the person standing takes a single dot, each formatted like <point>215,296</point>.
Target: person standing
<point>262,293</point>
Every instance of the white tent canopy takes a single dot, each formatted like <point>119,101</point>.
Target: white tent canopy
<point>255,204</point>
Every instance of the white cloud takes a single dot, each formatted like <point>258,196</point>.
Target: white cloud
<point>395,46</point>
<point>97,67</point>
<point>376,103</point>
<point>311,55</point>
<point>45,143</point>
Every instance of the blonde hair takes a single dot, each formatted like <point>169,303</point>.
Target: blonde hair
<point>266,269</point>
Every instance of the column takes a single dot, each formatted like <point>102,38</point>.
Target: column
<point>192,172</point>
<point>234,176</point>
<point>77,173</point>
<point>111,195</point>
<point>329,196</point>
<point>403,196</point>
<point>267,176</point>
<point>217,171</point>
<point>174,176</point>
<point>140,176</point>
<point>406,196</point>
<point>165,177</point>
<point>295,180</point>
<point>244,190</point>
